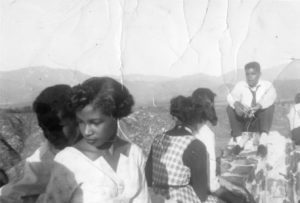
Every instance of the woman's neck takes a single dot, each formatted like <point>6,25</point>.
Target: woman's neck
<point>195,128</point>
<point>93,152</point>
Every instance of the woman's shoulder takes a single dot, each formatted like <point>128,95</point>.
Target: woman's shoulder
<point>66,154</point>
<point>136,154</point>
<point>206,131</point>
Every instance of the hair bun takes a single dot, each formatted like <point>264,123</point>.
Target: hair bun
<point>124,108</point>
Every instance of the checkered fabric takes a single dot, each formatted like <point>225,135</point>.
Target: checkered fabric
<point>170,176</point>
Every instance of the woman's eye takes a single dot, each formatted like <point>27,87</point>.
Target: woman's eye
<point>97,122</point>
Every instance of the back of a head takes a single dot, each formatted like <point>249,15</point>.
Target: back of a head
<point>182,109</point>
<point>297,98</point>
<point>254,65</point>
<point>203,93</point>
<point>49,104</point>
<point>104,93</point>
<point>203,99</point>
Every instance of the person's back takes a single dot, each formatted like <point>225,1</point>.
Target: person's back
<point>168,166</point>
<point>177,165</point>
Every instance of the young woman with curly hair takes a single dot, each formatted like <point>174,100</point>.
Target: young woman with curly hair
<point>101,167</point>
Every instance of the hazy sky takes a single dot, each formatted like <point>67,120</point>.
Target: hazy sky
<point>154,37</point>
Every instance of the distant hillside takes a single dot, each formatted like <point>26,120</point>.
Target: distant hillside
<point>160,92</point>
<point>285,77</point>
<point>287,89</point>
<point>20,87</point>
<point>289,71</point>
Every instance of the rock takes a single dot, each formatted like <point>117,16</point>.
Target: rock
<point>11,140</point>
<point>269,178</point>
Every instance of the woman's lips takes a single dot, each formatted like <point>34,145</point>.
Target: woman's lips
<point>91,141</point>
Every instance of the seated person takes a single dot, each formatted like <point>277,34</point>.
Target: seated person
<point>251,105</point>
<point>59,128</point>
<point>294,120</point>
<point>218,186</point>
<point>177,167</point>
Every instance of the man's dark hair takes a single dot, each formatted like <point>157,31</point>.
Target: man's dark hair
<point>254,65</point>
<point>50,103</point>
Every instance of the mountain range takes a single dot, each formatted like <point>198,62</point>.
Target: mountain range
<point>19,87</point>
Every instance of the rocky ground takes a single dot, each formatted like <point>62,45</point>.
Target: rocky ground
<point>144,124</point>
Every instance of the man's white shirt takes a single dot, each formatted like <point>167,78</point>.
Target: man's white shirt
<point>265,94</point>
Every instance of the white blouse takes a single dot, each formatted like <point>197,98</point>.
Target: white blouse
<point>207,137</point>
<point>77,179</point>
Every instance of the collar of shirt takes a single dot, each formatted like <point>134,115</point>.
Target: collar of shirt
<point>179,130</point>
<point>259,83</point>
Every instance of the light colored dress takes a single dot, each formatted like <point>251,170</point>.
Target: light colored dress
<point>207,137</point>
<point>77,179</point>
<point>171,177</point>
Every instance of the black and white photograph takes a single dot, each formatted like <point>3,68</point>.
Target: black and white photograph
<point>149,101</point>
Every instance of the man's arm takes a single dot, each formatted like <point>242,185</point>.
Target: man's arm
<point>234,95</point>
<point>234,98</point>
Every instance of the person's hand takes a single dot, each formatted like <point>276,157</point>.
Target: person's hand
<point>240,109</point>
<point>256,108</point>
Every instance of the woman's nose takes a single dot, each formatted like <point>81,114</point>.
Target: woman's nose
<point>87,130</point>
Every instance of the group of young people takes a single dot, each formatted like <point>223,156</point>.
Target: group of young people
<point>84,160</point>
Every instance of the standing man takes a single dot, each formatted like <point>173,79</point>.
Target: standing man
<point>251,104</point>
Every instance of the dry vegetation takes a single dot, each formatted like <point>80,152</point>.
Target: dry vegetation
<point>146,122</point>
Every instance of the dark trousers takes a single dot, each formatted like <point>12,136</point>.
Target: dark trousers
<point>260,123</point>
<point>296,136</point>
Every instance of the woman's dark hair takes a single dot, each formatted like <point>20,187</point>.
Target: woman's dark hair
<point>203,99</point>
<point>297,98</point>
<point>183,109</point>
<point>50,103</point>
<point>104,93</point>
